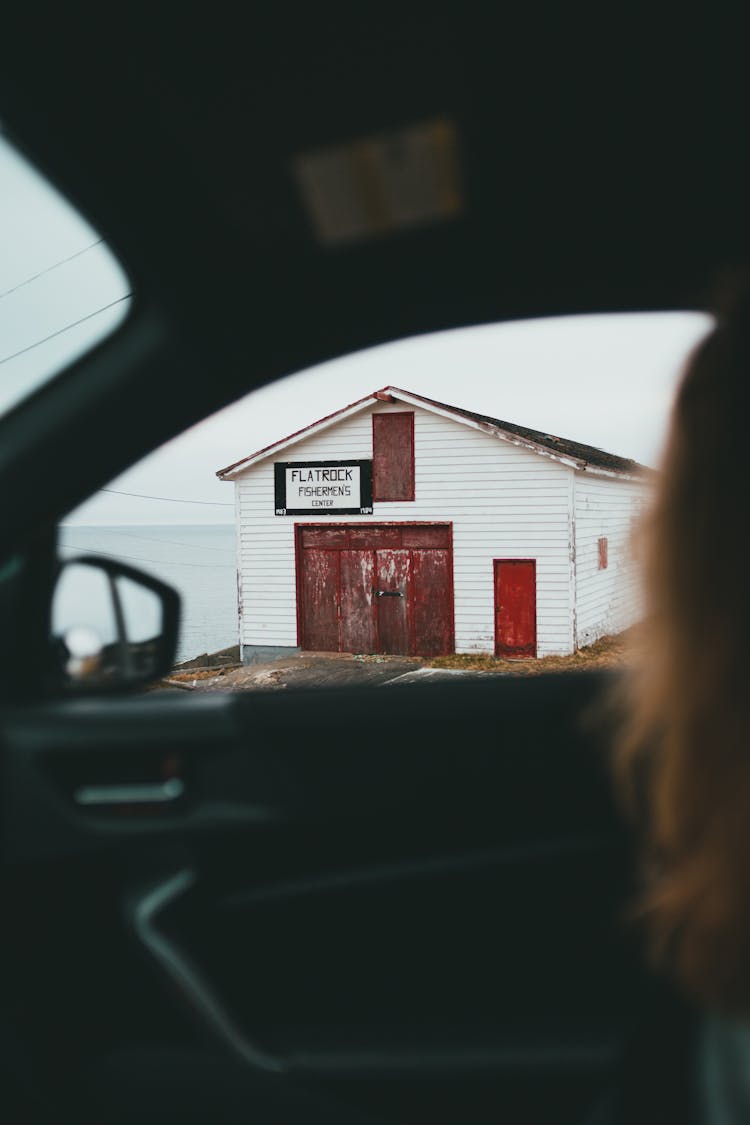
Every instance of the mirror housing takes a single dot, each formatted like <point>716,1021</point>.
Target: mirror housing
<point>112,627</point>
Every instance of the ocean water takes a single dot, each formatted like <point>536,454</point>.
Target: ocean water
<point>198,560</point>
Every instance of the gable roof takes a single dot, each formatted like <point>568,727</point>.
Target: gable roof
<point>575,453</point>
<point>576,450</point>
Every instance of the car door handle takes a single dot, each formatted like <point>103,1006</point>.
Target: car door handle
<point>149,793</point>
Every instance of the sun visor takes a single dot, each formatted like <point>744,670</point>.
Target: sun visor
<point>381,184</point>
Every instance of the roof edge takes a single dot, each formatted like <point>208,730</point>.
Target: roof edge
<point>237,467</point>
<point>455,413</point>
<point>494,427</point>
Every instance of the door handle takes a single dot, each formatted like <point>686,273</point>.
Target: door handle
<point>149,793</point>
<point>388,594</point>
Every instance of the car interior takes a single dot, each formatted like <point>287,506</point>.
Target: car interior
<point>317,906</point>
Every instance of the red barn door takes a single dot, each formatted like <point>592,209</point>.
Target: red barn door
<point>319,582</point>
<point>358,621</point>
<point>375,588</point>
<point>394,602</point>
<point>515,607</point>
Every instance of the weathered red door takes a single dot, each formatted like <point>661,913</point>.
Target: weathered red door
<point>515,607</point>
<point>375,588</point>
<point>358,625</point>
<point>433,608</point>
<point>320,593</point>
<point>393,599</point>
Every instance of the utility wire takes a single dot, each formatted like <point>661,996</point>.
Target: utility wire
<point>140,558</point>
<point>171,499</point>
<point>49,269</point>
<point>174,542</point>
<point>59,332</point>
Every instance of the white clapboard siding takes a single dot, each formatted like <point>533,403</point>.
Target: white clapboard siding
<point>504,502</point>
<point>607,600</point>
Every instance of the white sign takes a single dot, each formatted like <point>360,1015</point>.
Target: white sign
<point>323,488</point>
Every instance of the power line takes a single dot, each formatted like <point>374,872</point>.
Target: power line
<point>170,499</point>
<point>67,327</point>
<point>49,269</point>
<point>140,558</point>
<point>174,542</point>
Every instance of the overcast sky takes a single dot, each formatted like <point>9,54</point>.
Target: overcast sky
<point>604,380</point>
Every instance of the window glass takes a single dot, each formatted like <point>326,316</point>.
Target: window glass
<point>83,600</point>
<point>141,610</point>
<point>61,288</point>
<point>533,448</point>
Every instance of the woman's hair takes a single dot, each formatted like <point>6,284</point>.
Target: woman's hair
<point>683,759</point>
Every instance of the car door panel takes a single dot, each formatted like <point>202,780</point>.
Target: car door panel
<point>377,897</point>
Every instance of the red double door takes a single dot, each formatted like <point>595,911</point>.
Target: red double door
<point>375,588</point>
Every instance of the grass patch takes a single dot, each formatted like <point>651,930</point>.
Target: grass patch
<point>607,652</point>
<point>203,673</point>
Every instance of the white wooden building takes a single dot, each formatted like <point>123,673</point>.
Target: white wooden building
<point>400,524</point>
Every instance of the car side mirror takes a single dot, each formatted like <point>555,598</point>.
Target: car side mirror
<point>113,628</point>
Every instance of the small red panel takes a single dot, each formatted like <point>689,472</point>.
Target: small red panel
<point>334,538</point>
<point>603,554</point>
<point>435,536</point>
<point>392,457</point>
<point>375,536</point>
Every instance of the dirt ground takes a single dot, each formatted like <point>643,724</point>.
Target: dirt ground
<point>607,652</point>
<point>333,669</point>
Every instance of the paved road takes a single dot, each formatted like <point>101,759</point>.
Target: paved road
<point>326,669</point>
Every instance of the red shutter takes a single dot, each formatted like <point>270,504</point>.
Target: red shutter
<point>392,457</point>
<point>603,553</point>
